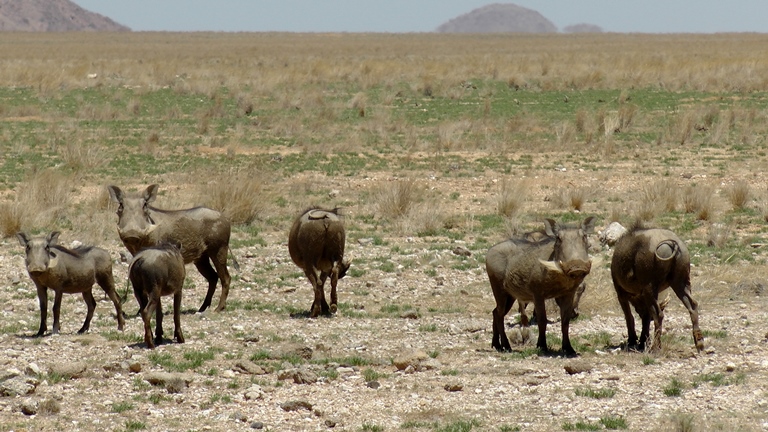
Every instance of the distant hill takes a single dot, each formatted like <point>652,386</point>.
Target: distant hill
<point>499,18</point>
<point>582,28</point>
<point>52,16</point>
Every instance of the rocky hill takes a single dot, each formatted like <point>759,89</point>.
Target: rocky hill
<point>52,16</point>
<point>499,18</point>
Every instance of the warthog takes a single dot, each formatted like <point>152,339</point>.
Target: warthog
<point>316,245</point>
<point>68,271</point>
<point>203,232</point>
<point>646,261</point>
<point>496,267</point>
<point>551,267</point>
<point>154,272</point>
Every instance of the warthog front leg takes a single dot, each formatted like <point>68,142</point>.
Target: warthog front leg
<point>693,309</point>
<point>42,298</point>
<point>90,303</point>
<point>57,311</point>
<point>566,312</point>
<point>541,320</point>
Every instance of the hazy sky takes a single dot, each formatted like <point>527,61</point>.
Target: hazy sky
<point>648,16</point>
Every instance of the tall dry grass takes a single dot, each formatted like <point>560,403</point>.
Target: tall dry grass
<point>511,197</point>
<point>38,202</point>
<point>394,199</point>
<point>699,200</point>
<point>239,195</point>
<point>739,194</point>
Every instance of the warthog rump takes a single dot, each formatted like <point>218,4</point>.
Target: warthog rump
<point>316,244</point>
<point>68,271</point>
<point>155,272</point>
<point>535,270</point>
<point>647,261</point>
<point>203,232</point>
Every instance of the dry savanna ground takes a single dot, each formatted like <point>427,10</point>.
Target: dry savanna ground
<point>436,147</point>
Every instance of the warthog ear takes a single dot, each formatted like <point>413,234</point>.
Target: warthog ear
<point>23,239</point>
<point>115,193</point>
<point>588,226</point>
<point>53,238</point>
<point>150,193</point>
<point>550,227</point>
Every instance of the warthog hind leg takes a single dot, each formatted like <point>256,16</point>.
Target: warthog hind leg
<point>90,303</point>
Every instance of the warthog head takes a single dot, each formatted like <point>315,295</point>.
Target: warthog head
<point>40,256</point>
<point>571,245</point>
<point>134,223</point>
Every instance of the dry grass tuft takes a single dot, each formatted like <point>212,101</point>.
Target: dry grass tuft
<point>12,216</point>
<point>572,197</point>
<point>657,197</point>
<point>238,195</point>
<point>512,197</point>
<point>698,200</point>
<point>396,198</point>
<point>719,235</point>
<point>40,200</point>
<point>738,194</point>
<point>79,156</point>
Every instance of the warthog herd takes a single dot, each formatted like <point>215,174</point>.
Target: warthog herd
<point>534,267</point>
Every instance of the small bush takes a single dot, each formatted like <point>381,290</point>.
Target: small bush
<point>613,423</point>
<point>738,194</point>
<point>674,388</point>
<point>573,197</point>
<point>596,394</point>
<point>238,195</point>
<point>396,198</point>
<point>511,198</point>
<point>698,200</point>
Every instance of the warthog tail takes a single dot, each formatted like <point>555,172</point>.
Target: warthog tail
<point>667,250</point>
<point>235,264</point>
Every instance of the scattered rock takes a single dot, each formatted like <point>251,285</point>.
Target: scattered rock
<point>134,367</point>
<point>365,241</point>
<point>439,280</point>
<point>730,367</point>
<point>238,416</point>
<point>71,370</point>
<point>29,407</point>
<point>249,367</point>
<point>296,405</point>
<point>373,384</point>
<point>164,378</point>
<point>409,314</point>
<point>610,235</point>
<point>330,423</point>
<point>254,392</point>
<point>429,364</point>
<point>299,376</point>
<point>454,387</point>
<point>461,251</point>
<point>409,358</point>
<point>257,425</point>
<point>577,367</point>
<point>18,386</point>
<point>33,369</point>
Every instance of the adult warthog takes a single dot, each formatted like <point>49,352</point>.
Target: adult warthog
<point>647,261</point>
<point>550,267</point>
<point>203,232</point>
<point>316,245</point>
<point>155,272</point>
<point>68,271</point>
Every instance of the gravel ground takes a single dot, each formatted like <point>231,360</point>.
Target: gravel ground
<point>343,373</point>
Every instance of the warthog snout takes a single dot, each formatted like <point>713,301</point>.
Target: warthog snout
<point>576,268</point>
<point>131,242</point>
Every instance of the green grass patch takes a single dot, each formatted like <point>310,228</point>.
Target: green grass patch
<point>596,393</point>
